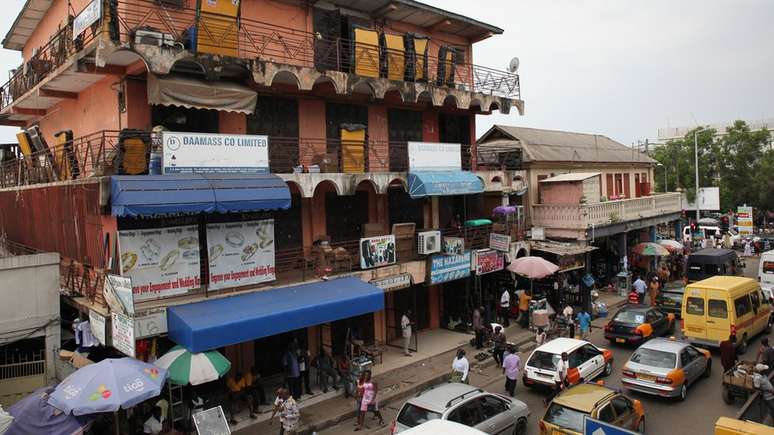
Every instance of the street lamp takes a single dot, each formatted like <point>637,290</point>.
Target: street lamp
<point>665,176</point>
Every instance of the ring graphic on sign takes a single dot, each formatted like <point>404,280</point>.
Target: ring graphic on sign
<point>173,143</point>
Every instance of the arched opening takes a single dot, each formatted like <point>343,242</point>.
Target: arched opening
<point>286,80</point>
<point>325,85</point>
<point>425,98</point>
<point>521,253</point>
<point>450,101</point>
<point>402,207</point>
<point>494,106</point>
<point>476,106</point>
<point>363,88</point>
<point>393,96</point>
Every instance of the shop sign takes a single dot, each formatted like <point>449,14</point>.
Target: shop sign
<point>186,153</point>
<point>377,251</point>
<point>240,253</point>
<point>744,220</point>
<point>488,261</point>
<point>150,323</point>
<point>427,156</point>
<point>97,324</point>
<point>393,282</point>
<point>453,245</point>
<point>88,16</point>
<point>500,242</point>
<point>161,262</point>
<point>117,291</point>
<point>123,334</point>
<point>445,268</point>
<point>538,233</point>
<point>571,262</point>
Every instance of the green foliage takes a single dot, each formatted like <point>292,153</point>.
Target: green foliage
<point>741,163</point>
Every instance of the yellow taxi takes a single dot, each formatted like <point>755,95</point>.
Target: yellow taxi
<point>566,412</point>
<point>732,426</point>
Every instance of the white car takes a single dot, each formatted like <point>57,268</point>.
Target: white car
<point>586,361</point>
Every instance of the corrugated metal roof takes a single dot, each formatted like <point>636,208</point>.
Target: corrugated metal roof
<point>564,146</point>
<point>28,19</point>
<point>572,176</point>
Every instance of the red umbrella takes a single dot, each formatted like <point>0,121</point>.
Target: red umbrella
<point>533,267</point>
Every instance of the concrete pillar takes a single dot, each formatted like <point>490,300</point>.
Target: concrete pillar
<point>53,340</point>
<point>378,151</point>
<point>678,225</point>
<point>380,326</point>
<point>435,211</point>
<point>311,125</point>
<point>434,305</point>
<point>313,340</point>
<point>232,122</point>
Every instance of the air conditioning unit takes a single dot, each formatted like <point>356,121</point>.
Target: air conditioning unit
<point>428,242</point>
<point>152,37</point>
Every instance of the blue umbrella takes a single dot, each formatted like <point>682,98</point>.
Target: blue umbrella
<point>32,416</point>
<point>107,386</point>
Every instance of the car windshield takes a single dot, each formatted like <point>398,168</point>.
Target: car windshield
<point>654,358</point>
<point>412,415</point>
<point>625,316</point>
<point>543,360</point>
<point>566,418</point>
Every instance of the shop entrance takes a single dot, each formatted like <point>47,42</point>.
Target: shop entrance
<point>457,300</point>
<point>269,351</point>
<point>175,118</point>
<point>416,299</point>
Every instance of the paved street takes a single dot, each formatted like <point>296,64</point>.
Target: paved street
<point>696,415</point>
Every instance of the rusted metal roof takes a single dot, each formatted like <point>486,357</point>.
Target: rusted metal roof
<point>572,176</point>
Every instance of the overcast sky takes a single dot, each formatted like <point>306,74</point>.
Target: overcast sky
<point>622,68</point>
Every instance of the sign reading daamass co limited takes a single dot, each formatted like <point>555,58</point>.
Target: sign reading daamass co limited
<point>205,153</point>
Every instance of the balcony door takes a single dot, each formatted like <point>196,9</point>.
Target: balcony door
<point>277,118</point>
<point>403,126</point>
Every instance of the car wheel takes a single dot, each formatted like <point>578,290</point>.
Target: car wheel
<point>683,392</point>
<point>641,426</point>
<point>742,346</point>
<point>708,369</point>
<point>521,427</point>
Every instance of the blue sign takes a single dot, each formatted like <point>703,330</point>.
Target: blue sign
<point>595,427</point>
<point>445,268</point>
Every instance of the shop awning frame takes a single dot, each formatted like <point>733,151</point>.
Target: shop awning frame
<point>214,323</point>
<point>176,194</point>
<point>423,184</point>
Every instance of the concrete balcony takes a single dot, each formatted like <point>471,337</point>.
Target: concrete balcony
<point>572,220</point>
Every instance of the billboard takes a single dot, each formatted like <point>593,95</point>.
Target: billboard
<point>488,261</point>
<point>427,156</point>
<point>185,153</point>
<point>709,199</point>
<point>445,268</point>
<point>500,242</point>
<point>240,253</point>
<point>377,251</point>
<point>744,220</point>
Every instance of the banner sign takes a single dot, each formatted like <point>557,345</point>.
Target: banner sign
<point>240,253</point>
<point>214,153</point>
<point>445,268</point>
<point>161,262</point>
<point>453,245</point>
<point>150,323</point>
<point>488,261</point>
<point>377,251</point>
<point>744,220</point>
<point>117,291</point>
<point>123,334</point>
<point>393,282</point>
<point>427,156</point>
<point>88,16</point>
<point>97,324</point>
<point>500,242</point>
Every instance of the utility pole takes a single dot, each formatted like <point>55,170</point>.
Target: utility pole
<point>696,163</point>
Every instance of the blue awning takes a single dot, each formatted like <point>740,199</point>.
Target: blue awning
<point>221,322</point>
<point>173,194</point>
<point>443,183</point>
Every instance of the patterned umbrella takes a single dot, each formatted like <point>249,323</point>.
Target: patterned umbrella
<point>185,367</point>
<point>671,245</point>
<point>107,386</point>
<point>533,267</point>
<point>650,249</point>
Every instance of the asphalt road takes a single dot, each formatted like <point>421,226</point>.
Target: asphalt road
<point>696,415</point>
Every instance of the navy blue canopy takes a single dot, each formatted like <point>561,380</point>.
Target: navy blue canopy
<point>221,322</point>
<point>443,183</point>
<point>173,194</point>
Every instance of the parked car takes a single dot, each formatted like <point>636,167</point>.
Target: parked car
<point>566,412</point>
<point>446,427</point>
<point>587,362</point>
<point>466,405</point>
<point>670,299</point>
<point>666,368</point>
<point>637,323</point>
<point>766,273</point>
<point>711,262</point>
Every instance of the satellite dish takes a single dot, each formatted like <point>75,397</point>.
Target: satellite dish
<point>513,66</point>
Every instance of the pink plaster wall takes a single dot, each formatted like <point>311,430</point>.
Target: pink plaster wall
<point>285,14</point>
<point>55,19</point>
<point>138,111</point>
<point>232,123</point>
<point>378,158</point>
<point>562,193</point>
<point>311,124</point>
<point>430,126</point>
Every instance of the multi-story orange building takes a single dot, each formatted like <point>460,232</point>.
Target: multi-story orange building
<point>339,106</point>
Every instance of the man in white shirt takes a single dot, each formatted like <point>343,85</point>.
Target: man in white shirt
<point>405,325</point>
<point>155,423</point>
<point>505,308</point>
<point>640,287</point>
<point>560,376</point>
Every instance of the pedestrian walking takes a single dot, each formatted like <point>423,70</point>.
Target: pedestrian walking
<point>560,377</point>
<point>505,308</point>
<point>640,287</point>
<point>405,326</point>
<point>584,324</point>
<point>460,367</point>
<point>747,248</point>
<point>654,288</point>
<point>766,353</point>
<point>499,344</point>
<point>288,413</point>
<point>567,313</point>
<point>478,327</point>
<point>368,401</point>
<point>761,383</point>
<point>728,353</point>
<point>540,337</point>
<point>511,366</point>
<point>524,299</point>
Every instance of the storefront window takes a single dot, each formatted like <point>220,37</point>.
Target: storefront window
<point>175,118</point>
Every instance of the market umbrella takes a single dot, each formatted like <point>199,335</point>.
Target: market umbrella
<point>533,267</point>
<point>650,249</point>
<point>33,415</point>
<point>671,245</point>
<point>185,367</point>
<point>107,386</point>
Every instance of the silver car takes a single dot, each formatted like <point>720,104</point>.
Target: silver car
<point>666,367</point>
<point>467,405</point>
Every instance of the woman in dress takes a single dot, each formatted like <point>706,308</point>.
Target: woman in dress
<point>460,367</point>
<point>368,402</point>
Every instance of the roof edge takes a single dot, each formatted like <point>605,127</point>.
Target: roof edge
<point>455,16</point>
<point>15,23</point>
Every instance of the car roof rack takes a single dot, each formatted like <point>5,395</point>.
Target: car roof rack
<point>462,396</point>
